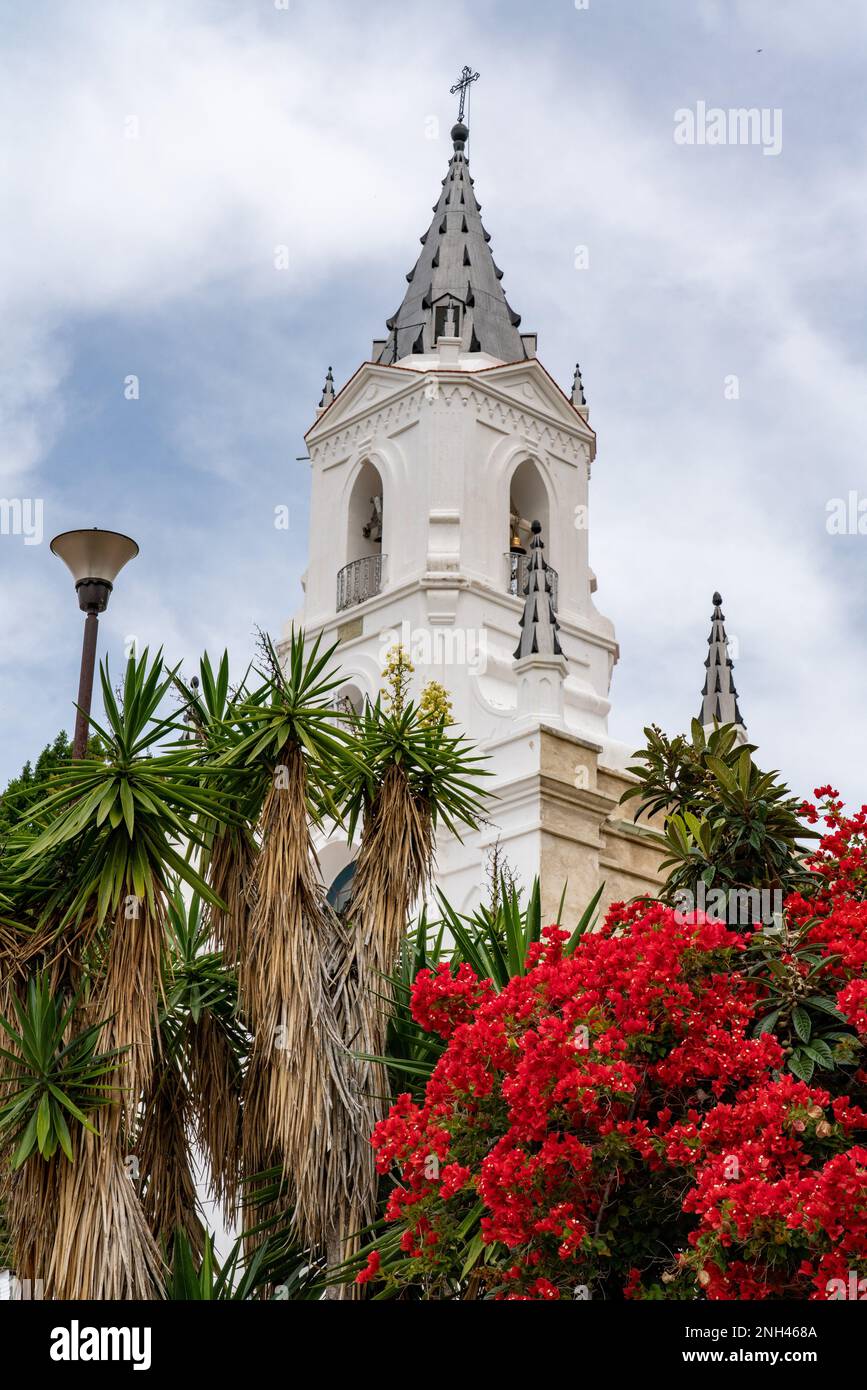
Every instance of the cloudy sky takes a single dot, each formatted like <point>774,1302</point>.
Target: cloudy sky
<point>155,154</point>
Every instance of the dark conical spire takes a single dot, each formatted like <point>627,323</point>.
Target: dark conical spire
<point>539,624</point>
<point>578,397</point>
<point>327,391</point>
<point>719,696</point>
<point>456,271</point>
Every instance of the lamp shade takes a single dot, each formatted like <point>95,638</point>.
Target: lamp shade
<point>94,554</point>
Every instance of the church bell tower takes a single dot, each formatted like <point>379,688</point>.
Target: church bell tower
<point>445,473</point>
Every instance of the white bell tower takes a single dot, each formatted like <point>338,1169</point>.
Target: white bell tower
<point>430,468</point>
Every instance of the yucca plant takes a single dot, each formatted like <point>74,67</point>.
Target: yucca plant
<point>126,819</point>
<point>200,1277</point>
<point>99,856</point>
<point>144,874</point>
<point>51,1075</point>
<point>410,772</point>
<point>202,1052</point>
<point>415,774</point>
<point>161,1152</point>
<point>103,1248</point>
<point>211,710</point>
<point>295,738</point>
<point>21,944</point>
<point>197,1276</point>
<point>65,1184</point>
<point>29,938</point>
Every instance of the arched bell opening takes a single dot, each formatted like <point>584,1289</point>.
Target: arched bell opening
<point>528,502</point>
<point>361,575</point>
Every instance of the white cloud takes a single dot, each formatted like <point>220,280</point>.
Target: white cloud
<point>33,366</point>
<point>259,128</point>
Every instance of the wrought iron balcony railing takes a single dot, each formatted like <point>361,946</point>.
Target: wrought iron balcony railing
<point>516,568</point>
<point>359,580</point>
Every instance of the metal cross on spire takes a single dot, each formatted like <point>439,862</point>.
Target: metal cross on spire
<point>462,85</point>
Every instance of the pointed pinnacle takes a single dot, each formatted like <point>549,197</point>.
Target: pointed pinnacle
<point>327,391</point>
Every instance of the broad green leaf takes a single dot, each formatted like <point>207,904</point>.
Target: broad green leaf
<point>802,1065</point>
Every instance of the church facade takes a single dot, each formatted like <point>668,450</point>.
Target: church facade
<point>450,481</point>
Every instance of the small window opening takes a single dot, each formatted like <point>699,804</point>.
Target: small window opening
<point>447,321</point>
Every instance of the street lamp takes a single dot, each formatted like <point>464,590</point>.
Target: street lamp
<point>94,558</point>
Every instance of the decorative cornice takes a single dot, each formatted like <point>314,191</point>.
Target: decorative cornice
<point>495,408</point>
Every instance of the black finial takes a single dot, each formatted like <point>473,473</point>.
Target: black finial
<point>717,600</point>
<point>536,528</point>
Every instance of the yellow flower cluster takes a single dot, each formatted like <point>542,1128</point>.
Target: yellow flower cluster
<point>396,673</point>
<point>435,707</point>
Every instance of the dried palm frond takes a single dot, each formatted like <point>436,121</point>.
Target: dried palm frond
<point>211,709</point>
<point>17,951</point>
<point>215,1090</point>
<point>68,1193</point>
<point>295,1066</point>
<point>258,1152</point>
<point>282,986</point>
<point>128,996</point>
<point>162,1155</point>
<point>266,1189</point>
<point>30,1200</point>
<point>394,865</point>
<point>201,1034</point>
<point>101,1247</point>
<point>355,1081</point>
<point>231,873</point>
<point>339,1168</point>
<point>414,773</point>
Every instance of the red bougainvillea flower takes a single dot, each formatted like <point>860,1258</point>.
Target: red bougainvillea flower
<point>610,1125</point>
<point>371,1269</point>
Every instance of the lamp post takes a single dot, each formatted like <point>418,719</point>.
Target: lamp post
<point>94,558</point>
